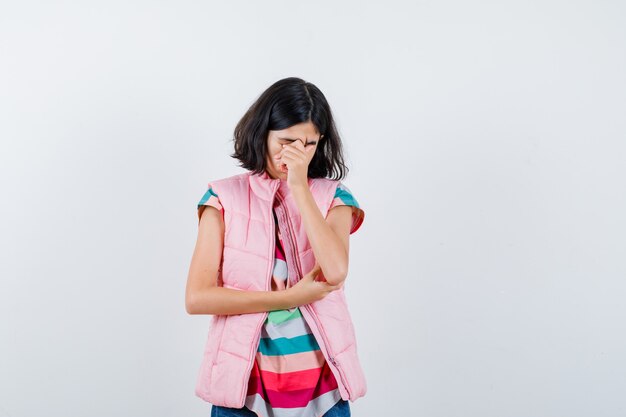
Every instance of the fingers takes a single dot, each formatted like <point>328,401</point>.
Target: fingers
<point>294,151</point>
<point>298,144</point>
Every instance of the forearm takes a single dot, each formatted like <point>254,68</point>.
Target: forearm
<point>227,301</point>
<point>327,246</point>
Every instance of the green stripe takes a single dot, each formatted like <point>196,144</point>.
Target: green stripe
<point>281,316</point>
<point>285,346</point>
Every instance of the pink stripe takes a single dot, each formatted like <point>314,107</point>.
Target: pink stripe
<point>296,397</point>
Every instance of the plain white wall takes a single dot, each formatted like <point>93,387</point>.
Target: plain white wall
<point>486,142</point>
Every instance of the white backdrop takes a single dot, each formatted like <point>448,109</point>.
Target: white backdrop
<point>486,142</point>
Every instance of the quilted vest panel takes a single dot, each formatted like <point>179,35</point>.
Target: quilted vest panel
<point>247,263</point>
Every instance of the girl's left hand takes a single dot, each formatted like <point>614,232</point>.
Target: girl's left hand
<point>297,158</point>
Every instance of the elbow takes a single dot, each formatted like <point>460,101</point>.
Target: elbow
<point>189,308</point>
<point>190,305</point>
<point>199,302</point>
<point>337,278</point>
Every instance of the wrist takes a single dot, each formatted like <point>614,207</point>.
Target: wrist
<point>284,299</point>
<point>300,189</point>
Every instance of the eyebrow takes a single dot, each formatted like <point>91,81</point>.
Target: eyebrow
<point>292,140</point>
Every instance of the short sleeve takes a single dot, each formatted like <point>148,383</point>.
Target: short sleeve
<point>210,198</point>
<point>344,197</point>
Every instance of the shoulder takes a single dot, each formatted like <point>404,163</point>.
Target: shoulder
<point>212,195</point>
<point>232,179</point>
<point>227,184</point>
<point>218,190</point>
<point>344,195</point>
<point>325,186</point>
<point>341,194</point>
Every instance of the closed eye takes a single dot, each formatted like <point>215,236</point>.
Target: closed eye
<point>287,140</point>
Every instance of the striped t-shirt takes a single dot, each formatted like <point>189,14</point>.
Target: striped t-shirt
<point>290,376</point>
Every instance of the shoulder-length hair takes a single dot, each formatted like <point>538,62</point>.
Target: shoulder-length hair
<point>285,103</point>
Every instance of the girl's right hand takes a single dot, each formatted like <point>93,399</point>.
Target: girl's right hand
<point>308,289</point>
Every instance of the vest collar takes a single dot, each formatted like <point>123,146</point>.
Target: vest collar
<point>265,185</point>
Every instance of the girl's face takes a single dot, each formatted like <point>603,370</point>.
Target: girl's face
<point>303,132</point>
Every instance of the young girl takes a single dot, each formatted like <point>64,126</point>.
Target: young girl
<point>270,263</point>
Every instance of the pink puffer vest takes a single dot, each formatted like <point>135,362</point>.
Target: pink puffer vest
<point>247,264</point>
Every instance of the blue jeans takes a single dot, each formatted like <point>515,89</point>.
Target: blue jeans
<point>341,409</point>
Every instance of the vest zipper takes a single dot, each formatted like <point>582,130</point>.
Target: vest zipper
<point>308,308</point>
<point>268,287</point>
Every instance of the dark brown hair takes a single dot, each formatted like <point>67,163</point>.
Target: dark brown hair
<point>285,103</point>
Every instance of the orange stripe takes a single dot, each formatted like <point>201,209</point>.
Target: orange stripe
<point>291,363</point>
